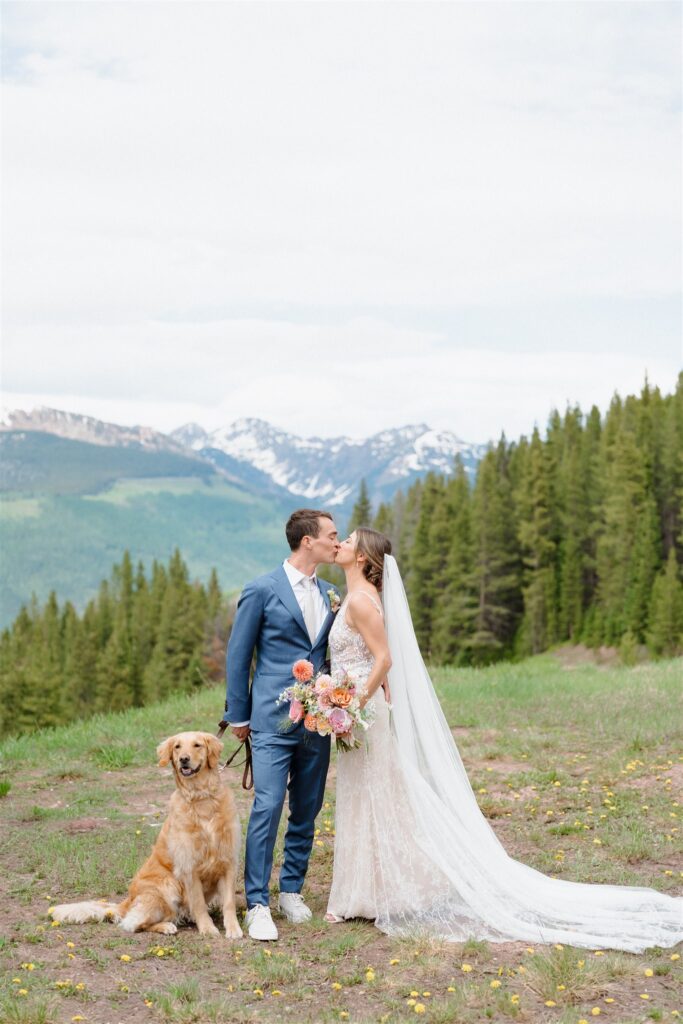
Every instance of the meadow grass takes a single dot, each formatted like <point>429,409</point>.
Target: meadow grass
<point>578,769</point>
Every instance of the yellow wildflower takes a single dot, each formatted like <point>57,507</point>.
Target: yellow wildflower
<point>466,968</point>
<point>648,972</point>
<point>392,963</point>
<point>336,986</point>
<point>71,945</point>
<point>276,992</point>
<point>644,995</point>
<point>22,992</point>
<point>258,992</point>
<point>414,993</point>
<point>550,1002</point>
<point>126,959</point>
<point>595,1012</point>
<point>675,956</point>
<point>495,984</point>
<point>419,1008</point>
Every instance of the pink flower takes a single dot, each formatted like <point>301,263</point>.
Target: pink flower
<point>296,711</point>
<point>340,721</point>
<point>302,670</point>
<point>323,684</point>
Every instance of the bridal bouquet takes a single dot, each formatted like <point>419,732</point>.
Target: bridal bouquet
<point>327,706</point>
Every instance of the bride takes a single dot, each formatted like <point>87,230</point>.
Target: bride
<point>413,852</point>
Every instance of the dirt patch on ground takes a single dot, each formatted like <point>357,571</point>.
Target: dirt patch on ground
<point>576,655</point>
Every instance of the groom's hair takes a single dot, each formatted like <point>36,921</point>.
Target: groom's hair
<point>304,523</point>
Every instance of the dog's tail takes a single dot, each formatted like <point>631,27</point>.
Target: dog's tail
<point>83,913</point>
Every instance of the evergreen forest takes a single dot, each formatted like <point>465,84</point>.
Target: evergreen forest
<point>574,536</point>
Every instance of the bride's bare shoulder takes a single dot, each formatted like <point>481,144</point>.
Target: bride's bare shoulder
<point>363,604</point>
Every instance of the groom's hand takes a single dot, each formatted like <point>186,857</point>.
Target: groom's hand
<point>242,732</point>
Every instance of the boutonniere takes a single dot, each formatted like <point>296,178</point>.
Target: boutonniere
<point>335,601</point>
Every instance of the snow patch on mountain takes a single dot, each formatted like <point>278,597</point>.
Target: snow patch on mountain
<point>330,469</point>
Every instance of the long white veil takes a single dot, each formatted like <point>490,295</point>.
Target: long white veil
<point>475,888</point>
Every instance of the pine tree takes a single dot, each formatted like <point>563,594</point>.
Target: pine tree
<point>665,633</point>
<point>495,577</point>
<point>362,510</point>
<point>384,522</point>
<point>425,560</point>
<point>538,547</point>
<point>453,620</point>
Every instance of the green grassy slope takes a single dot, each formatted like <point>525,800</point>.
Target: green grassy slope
<point>35,464</point>
<point>578,770</point>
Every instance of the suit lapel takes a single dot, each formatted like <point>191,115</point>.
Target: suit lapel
<point>283,589</point>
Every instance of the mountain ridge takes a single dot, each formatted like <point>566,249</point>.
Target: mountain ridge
<point>275,461</point>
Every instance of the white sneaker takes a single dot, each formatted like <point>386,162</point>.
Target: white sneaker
<point>292,905</point>
<point>260,924</point>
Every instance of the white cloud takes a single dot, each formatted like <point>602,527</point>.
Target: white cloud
<point>221,207</point>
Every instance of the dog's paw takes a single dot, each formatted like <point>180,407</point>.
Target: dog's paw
<point>209,928</point>
<point>233,931</point>
<point>166,928</point>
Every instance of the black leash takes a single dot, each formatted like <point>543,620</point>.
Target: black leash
<point>248,774</point>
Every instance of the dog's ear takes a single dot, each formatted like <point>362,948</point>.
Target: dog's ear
<point>165,751</point>
<point>213,749</point>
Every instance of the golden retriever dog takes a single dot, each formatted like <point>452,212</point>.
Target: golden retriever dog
<point>193,862</point>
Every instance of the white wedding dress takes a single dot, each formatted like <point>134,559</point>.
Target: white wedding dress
<point>414,853</point>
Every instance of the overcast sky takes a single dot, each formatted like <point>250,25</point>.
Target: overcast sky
<point>340,217</point>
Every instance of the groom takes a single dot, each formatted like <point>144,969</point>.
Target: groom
<point>282,616</point>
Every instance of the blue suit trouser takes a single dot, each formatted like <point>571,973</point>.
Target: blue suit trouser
<point>295,762</point>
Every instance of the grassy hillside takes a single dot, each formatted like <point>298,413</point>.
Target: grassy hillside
<point>68,542</point>
<point>34,464</point>
<point>579,770</point>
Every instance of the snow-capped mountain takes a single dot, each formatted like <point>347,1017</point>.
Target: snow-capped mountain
<point>329,470</point>
<point>264,460</point>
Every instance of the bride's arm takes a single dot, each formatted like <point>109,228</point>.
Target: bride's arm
<point>364,617</point>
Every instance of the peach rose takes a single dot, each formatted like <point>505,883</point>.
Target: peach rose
<point>311,722</point>
<point>302,670</point>
<point>340,697</point>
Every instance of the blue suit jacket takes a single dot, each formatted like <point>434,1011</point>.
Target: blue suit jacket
<point>269,621</point>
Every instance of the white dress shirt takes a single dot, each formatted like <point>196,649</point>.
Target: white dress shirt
<point>298,582</point>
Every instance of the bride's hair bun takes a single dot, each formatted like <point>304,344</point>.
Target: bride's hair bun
<point>374,546</point>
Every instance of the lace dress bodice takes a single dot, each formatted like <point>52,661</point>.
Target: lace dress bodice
<point>349,652</point>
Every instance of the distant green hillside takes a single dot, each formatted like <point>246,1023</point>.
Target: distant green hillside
<point>33,463</point>
<point>70,509</point>
<point>68,543</point>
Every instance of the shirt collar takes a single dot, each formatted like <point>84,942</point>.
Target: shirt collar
<point>295,575</point>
